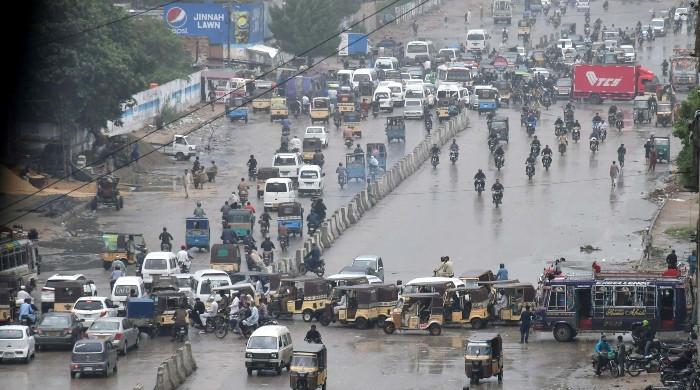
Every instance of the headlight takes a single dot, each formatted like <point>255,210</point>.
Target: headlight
<point>273,355</point>
<point>248,355</point>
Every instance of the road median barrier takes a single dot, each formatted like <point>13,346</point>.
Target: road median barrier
<point>174,371</point>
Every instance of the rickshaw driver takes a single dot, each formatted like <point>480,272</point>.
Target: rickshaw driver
<point>199,211</point>
<point>358,151</point>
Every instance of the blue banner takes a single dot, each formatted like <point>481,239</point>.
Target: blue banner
<point>247,22</point>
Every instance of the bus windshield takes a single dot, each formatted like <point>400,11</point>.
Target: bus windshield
<point>417,48</point>
<point>459,75</point>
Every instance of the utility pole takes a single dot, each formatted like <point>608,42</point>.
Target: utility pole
<point>228,8</point>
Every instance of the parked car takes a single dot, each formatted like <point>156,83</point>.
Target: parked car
<point>58,329</point>
<point>119,330</point>
<point>93,357</point>
<point>16,342</point>
<point>91,308</point>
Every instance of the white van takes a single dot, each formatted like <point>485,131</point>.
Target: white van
<point>203,281</point>
<point>311,180</point>
<point>384,96</point>
<point>415,91</point>
<point>123,287</point>
<point>364,74</point>
<point>278,190</point>
<point>420,48</point>
<point>477,40</point>
<point>158,263</point>
<point>396,88</point>
<point>448,90</point>
<point>269,347</point>
<point>288,164</point>
<point>387,63</point>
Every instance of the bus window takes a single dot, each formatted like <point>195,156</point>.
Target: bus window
<point>557,298</point>
<point>666,303</point>
<point>623,297</point>
<point>645,296</point>
<point>603,296</point>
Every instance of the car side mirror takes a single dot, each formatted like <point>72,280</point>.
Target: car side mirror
<point>323,174</point>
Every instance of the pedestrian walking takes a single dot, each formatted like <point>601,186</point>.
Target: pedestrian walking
<point>647,150</point>
<point>481,12</point>
<point>647,241</point>
<point>414,26</point>
<point>672,260</point>
<point>621,355</point>
<point>212,98</point>
<point>621,151</point>
<point>693,262</point>
<point>445,21</point>
<point>525,322</point>
<point>614,171</point>
<point>187,182</point>
<point>469,16</point>
<point>652,159</point>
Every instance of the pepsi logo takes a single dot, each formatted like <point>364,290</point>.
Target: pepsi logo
<point>176,17</point>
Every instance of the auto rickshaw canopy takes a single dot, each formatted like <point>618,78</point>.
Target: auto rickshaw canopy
<point>225,254</point>
<point>289,209</point>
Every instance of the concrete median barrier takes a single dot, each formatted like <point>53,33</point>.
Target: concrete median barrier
<point>174,371</point>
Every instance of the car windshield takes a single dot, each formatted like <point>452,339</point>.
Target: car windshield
<point>308,175</point>
<point>262,342</point>
<point>628,49</point>
<point>361,77</point>
<point>417,48</point>
<point>156,264</point>
<point>124,290</point>
<point>87,347</point>
<point>314,130</point>
<point>10,334</point>
<point>411,93</point>
<point>363,263</point>
<point>276,187</point>
<point>478,349</point>
<point>564,82</point>
<point>285,161</point>
<point>475,37</point>
<point>381,95</point>
<point>104,325</point>
<point>57,321</point>
<point>88,305</point>
<point>657,23</point>
<point>183,282</point>
<point>498,125</point>
<point>208,284</point>
<point>53,283</point>
<point>304,361</point>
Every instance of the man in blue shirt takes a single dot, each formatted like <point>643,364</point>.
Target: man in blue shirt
<point>601,349</point>
<point>26,311</point>
<point>502,273</point>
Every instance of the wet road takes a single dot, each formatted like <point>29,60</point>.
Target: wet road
<point>433,213</point>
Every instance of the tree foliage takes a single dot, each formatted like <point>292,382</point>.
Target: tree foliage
<point>78,75</point>
<point>300,25</point>
<point>682,130</point>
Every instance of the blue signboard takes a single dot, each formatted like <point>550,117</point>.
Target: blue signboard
<point>210,20</point>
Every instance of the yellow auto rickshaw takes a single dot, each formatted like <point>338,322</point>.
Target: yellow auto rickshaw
<point>346,102</point>
<point>664,114</point>
<point>511,298</point>
<point>320,110</point>
<point>483,357</point>
<point>309,367</point>
<point>309,148</point>
<point>468,305</point>
<point>387,296</point>
<point>443,109</point>
<point>262,95</point>
<point>417,311</point>
<point>351,124</point>
<point>117,246</point>
<point>7,305</point>
<point>166,301</point>
<point>360,307</point>
<point>225,257</point>
<point>278,108</point>
<point>65,295</point>
<point>305,295</point>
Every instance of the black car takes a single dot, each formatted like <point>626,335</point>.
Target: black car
<point>59,329</point>
<point>93,357</point>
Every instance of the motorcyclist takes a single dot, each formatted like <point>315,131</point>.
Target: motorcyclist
<point>563,139</point>
<point>199,210</point>
<point>295,144</point>
<point>337,116</point>
<point>531,119</point>
<point>267,246</point>
<point>499,152</point>
<point>252,320</point>
<point>480,177</point>
<point>313,336</point>
<point>602,348</point>
<point>265,219</point>
<point>497,187</point>
<point>180,319</point>
<point>434,150</point>
<point>547,151</point>
<point>184,258</point>
<point>576,125</point>
<point>597,119</point>
<point>664,67</point>
<point>318,158</point>
<point>27,312</point>
<point>252,164</point>
<point>313,258</point>
<point>341,171</point>
<point>493,139</point>
<point>535,144</point>
<point>319,207</point>
<point>558,122</point>
<point>313,221</point>
<point>211,313</point>
<point>165,239</point>
<point>648,335</point>
<point>243,189</point>
<point>22,294</point>
<point>530,160</point>
<point>454,146</point>
<point>445,268</point>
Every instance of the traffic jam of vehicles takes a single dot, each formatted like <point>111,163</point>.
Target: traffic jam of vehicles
<point>156,294</point>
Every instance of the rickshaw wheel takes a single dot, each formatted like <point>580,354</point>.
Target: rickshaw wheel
<point>307,315</point>
<point>435,330</point>
<point>106,264</point>
<point>324,320</point>
<point>361,323</point>
<point>477,323</point>
<point>389,327</point>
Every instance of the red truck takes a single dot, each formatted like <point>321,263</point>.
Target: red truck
<point>596,83</point>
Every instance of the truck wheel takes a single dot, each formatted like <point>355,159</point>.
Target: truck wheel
<point>595,99</point>
<point>563,333</point>
<point>179,156</point>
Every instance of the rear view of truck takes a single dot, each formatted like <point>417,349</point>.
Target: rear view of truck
<point>683,74</point>
<point>596,83</point>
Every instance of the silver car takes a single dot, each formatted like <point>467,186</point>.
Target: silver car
<point>120,330</point>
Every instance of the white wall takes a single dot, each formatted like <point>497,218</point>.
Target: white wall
<point>179,94</point>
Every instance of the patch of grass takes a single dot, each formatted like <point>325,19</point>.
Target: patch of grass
<point>681,233</point>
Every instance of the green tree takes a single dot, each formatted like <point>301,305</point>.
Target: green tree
<point>682,130</point>
<point>300,25</point>
<point>77,74</point>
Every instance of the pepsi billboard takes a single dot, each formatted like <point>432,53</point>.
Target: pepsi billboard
<point>210,20</point>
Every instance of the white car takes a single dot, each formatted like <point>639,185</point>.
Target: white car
<point>310,180</point>
<point>413,108</point>
<point>16,342</point>
<point>288,164</point>
<point>47,292</point>
<point>681,14</point>
<point>630,55</point>
<point>319,132</point>
<point>659,26</point>
<point>91,308</point>
<point>583,5</point>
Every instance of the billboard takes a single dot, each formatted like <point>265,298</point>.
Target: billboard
<point>247,22</point>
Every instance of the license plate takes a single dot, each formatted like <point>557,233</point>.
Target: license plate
<point>102,337</point>
<point>53,333</point>
<point>308,183</point>
<point>87,368</point>
<point>8,355</point>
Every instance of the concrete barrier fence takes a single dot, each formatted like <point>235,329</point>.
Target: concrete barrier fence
<point>174,371</point>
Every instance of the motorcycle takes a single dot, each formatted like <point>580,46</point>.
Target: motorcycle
<point>530,171</point>
<point>319,271</point>
<point>611,364</point>
<point>535,150</point>
<point>375,111</point>
<point>562,149</point>
<point>492,144</point>
<point>497,198</point>
<point>166,246</point>
<point>348,143</point>
<point>546,161</point>
<point>593,144</point>
<point>336,122</point>
<point>181,334</point>
<point>453,156</point>
<point>284,242</point>
<point>530,127</point>
<point>264,227</point>
<point>428,125</point>
<point>546,102</point>
<point>184,268</point>
<point>636,364</point>
<point>243,196</point>
<point>479,185</point>
<point>252,173</point>
<point>576,134</point>
<point>559,130</point>
<point>341,180</point>
<point>267,258</point>
<point>434,160</point>
<point>499,160</point>
<point>619,124</point>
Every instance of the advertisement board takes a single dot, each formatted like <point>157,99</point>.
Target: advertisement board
<point>604,79</point>
<point>212,20</point>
